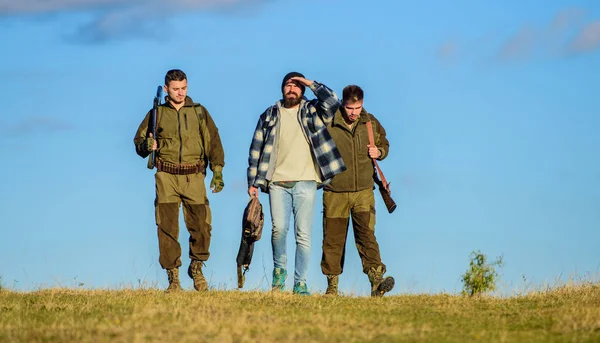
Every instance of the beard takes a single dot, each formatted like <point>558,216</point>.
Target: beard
<point>291,100</point>
<point>175,100</point>
<point>349,119</point>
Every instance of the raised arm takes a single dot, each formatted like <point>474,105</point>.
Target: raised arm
<point>327,101</point>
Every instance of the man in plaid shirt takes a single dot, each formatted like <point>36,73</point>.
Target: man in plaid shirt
<point>291,155</point>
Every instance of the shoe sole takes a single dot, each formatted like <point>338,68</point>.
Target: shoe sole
<point>386,285</point>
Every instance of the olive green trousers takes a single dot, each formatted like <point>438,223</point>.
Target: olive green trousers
<point>337,210</point>
<point>172,191</point>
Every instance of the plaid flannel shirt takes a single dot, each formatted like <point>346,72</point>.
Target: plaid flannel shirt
<point>314,116</point>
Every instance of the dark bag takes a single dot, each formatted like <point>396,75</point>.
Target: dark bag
<point>252,225</point>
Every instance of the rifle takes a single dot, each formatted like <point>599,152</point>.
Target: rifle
<point>384,186</point>
<point>385,194</point>
<point>152,125</point>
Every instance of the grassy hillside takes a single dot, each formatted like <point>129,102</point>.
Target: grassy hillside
<point>564,314</point>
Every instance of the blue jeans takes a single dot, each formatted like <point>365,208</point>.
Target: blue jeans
<point>299,200</point>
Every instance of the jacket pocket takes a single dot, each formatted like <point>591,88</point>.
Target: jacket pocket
<point>362,144</point>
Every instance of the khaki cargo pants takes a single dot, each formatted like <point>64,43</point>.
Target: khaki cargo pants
<point>171,191</point>
<point>337,210</point>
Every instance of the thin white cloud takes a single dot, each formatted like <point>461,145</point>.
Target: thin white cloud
<point>40,6</point>
<point>117,19</point>
<point>519,46</point>
<point>447,51</point>
<point>587,39</point>
<point>43,124</point>
<point>123,24</point>
<point>567,18</point>
<point>46,6</point>
<point>564,34</point>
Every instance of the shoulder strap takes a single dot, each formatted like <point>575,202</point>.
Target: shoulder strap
<point>386,185</point>
<point>198,112</point>
<point>202,116</point>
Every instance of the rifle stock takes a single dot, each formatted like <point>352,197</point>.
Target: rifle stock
<point>385,195</point>
<point>152,125</point>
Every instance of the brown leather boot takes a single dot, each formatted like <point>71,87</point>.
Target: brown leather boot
<point>195,272</point>
<point>332,285</point>
<point>379,284</point>
<point>173,275</point>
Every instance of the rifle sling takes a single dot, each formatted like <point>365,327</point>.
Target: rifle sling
<point>386,185</point>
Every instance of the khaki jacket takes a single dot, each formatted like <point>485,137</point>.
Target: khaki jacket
<point>184,137</point>
<point>352,144</point>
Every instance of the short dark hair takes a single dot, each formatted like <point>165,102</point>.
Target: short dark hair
<point>174,75</point>
<point>352,93</point>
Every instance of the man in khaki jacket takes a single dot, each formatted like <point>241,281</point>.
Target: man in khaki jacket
<point>350,194</point>
<point>187,141</point>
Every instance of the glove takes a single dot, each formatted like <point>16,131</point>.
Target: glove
<point>216,184</point>
<point>148,143</point>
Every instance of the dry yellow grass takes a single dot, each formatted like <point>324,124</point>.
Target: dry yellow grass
<point>566,314</point>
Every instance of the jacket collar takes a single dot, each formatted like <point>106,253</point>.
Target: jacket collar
<point>338,118</point>
<point>188,102</point>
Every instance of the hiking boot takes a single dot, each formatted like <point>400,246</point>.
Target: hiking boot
<point>379,284</point>
<point>174,285</point>
<point>332,285</point>
<point>195,272</point>
<point>300,288</point>
<point>279,276</point>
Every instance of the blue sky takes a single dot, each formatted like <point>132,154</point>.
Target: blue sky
<point>491,110</point>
